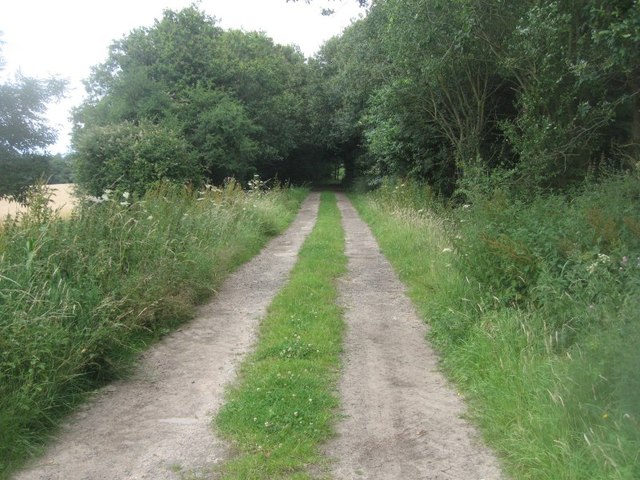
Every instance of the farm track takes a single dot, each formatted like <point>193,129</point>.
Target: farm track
<point>401,420</point>
<point>156,425</point>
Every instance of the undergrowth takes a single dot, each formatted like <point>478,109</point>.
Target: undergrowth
<point>79,297</point>
<point>535,308</point>
<point>282,406</point>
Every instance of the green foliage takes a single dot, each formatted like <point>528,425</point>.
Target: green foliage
<point>281,410</point>
<point>219,128</point>
<point>131,158</point>
<point>60,169</point>
<point>79,297</point>
<point>24,133</point>
<point>552,246</point>
<point>19,172</point>
<point>22,171</point>
<point>451,92</point>
<point>234,99</point>
<point>535,308</point>
<point>23,128</point>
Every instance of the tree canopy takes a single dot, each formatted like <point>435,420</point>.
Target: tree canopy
<point>24,131</point>
<point>235,99</point>
<point>544,93</point>
<point>456,94</point>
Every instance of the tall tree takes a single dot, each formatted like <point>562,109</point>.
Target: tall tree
<point>236,98</point>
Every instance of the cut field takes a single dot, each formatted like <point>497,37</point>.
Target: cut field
<point>62,201</point>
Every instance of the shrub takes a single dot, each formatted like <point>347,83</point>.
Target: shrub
<point>132,157</point>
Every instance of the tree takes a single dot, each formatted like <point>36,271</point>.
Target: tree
<point>24,132</point>
<point>536,94</point>
<point>236,98</point>
<point>221,133</point>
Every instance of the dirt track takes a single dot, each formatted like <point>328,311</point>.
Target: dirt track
<point>157,424</point>
<point>402,420</point>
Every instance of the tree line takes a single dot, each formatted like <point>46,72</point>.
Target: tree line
<point>25,134</point>
<point>189,101</point>
<point>536,95</point>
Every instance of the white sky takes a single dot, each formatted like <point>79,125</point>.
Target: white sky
<point>66,37</point>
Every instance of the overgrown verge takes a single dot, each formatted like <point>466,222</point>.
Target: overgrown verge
<point>535,308</point>
<point>79,297</point>
<point>281,408</point>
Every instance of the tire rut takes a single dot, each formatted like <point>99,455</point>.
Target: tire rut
<point>156,425</point>
<point>402,420</point>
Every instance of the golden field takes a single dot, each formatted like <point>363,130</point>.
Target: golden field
<point>63,201</point>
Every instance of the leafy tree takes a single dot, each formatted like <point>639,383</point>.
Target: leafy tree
<point>60,169</point>
<point>269,81</point>
<point>234,97</point>
<point>24,132</point>
<point>220,132</point>
<point>535,94</point>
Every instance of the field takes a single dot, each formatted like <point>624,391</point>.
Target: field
<point>62,201</point>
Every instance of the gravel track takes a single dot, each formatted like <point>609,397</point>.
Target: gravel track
<point>401,419</point>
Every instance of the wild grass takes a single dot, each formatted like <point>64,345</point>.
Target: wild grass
<point>282,407</point>
<point>535,308</point>
<point>79,297</point>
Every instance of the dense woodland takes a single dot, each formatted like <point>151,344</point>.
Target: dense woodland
<point>500,144</point>
<point>536,95</point>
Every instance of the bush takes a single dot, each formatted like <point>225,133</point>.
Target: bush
<point>132,157</point>
<point>533,251</point>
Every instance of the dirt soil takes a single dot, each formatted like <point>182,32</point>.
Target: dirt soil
<point>157,425</point>
<point>402,420</point>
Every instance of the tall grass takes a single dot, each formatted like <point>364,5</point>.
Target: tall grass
<point>535,306</point>
<point>79,297</point>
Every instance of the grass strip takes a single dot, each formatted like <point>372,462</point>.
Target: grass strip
<point>281,409</point>
<point>526,394</point>
<point>79,297</point>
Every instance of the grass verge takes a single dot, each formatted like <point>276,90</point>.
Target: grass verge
<point>534,307</point>
<point>79,297</point>
<point>282,406</point>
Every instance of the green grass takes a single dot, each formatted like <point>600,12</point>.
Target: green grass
<point>80,297</point>
<point>283,404</point>
<point>535,326</point>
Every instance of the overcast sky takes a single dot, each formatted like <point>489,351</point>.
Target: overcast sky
<point>66,37</point>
